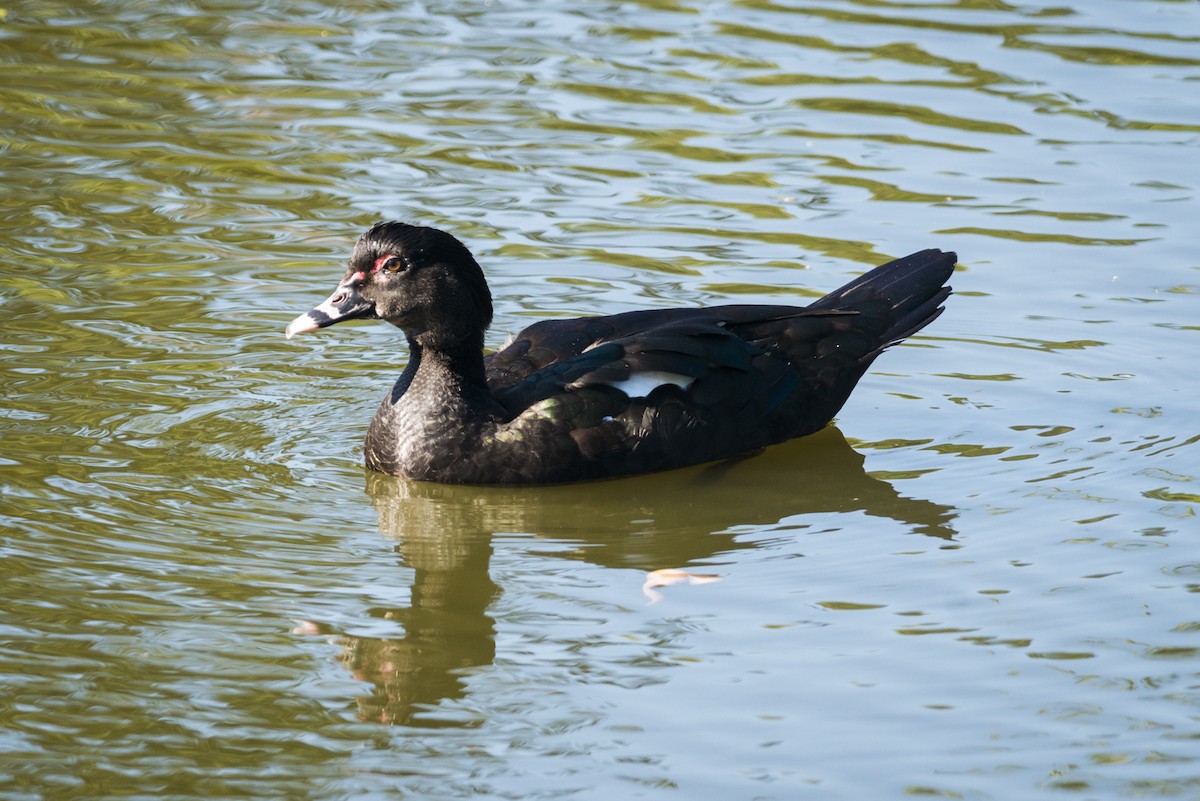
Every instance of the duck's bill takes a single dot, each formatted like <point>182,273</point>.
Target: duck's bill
<point>344,304</point>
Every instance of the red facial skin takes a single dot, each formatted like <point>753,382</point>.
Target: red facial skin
<point>382,260</point>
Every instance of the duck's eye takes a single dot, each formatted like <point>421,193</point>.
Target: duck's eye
<point>393,264</point>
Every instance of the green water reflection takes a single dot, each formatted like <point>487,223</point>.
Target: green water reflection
<point>444,535</point>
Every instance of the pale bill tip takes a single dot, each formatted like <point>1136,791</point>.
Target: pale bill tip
<point>301,325</point>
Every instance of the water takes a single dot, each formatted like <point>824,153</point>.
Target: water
<point>981,584</point>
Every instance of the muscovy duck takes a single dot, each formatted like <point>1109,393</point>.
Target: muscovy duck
<point>599,397</point>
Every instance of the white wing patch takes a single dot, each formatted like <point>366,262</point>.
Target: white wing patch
<point>639,385</point>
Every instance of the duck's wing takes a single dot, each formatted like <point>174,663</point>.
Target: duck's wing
<point>551,342</point>
<point>685,390</point>
<point>795,366</point>
<point>700,351</point>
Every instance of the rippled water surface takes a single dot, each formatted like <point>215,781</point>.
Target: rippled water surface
<point>982,583</point>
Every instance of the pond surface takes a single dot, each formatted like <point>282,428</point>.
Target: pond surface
<point>981,583</point>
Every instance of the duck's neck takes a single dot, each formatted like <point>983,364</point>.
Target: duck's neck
<point>445,372</point>
<point>461,359</point>
<point>439,407</point>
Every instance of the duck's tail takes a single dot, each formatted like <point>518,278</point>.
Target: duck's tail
<point>907,292</point>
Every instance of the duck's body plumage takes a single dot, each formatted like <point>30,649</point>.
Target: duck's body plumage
<point>597,397</point>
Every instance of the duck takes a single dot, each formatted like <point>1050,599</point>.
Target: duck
<point>587,398</point>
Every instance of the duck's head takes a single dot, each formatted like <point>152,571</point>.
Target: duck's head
<point>421,280</point>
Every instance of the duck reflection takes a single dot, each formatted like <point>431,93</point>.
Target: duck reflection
<point>665,520</point>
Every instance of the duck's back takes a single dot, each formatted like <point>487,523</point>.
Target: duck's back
<point>658,389</point>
